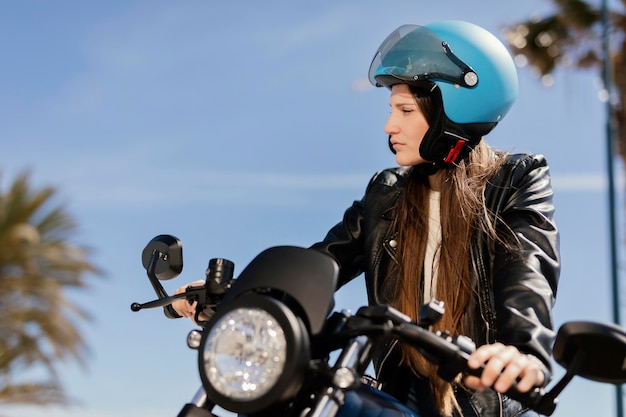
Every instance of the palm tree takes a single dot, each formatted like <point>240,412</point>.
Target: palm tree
<point>38,262</point>
<point>573,37</point>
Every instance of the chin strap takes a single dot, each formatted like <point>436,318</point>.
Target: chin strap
<point>427,169</point>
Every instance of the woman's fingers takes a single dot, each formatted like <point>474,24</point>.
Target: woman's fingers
<point>532,376</point>
<point>182,306</point>
<point>503,366</point>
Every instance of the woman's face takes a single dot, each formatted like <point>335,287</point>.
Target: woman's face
<point>406,125</point>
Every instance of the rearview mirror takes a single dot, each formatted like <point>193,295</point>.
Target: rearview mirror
<point>593,351</point>
<point>169,251</point>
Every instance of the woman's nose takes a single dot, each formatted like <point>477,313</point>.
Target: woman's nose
<point>391,127</point>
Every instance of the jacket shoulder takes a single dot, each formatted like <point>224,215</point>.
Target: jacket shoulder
<point>525,161</point>
<point>389,177</point>
<point>520,168</point>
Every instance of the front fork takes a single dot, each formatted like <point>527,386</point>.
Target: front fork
<point>197,406</point>
<point>345,375</point>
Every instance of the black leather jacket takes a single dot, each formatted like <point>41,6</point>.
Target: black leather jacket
<point>514,295</point>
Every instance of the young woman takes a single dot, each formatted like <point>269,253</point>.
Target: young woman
<point>457,221</point>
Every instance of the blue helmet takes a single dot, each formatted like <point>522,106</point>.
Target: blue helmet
<point>463,66</point>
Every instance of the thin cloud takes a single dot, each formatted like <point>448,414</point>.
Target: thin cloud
<point>233,187</point>
<point>583,182</point>
<point>328,26</point>
<point>220,188</point>
<point>362,84</point>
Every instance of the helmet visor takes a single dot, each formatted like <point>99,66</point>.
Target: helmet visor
<point>414,54</point>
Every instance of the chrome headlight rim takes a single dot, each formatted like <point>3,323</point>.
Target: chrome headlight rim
<point>297,355</point>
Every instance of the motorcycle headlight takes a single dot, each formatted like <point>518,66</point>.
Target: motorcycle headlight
<point>253,354</point>
<point>245,353</point>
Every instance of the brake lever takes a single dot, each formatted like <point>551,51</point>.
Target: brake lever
<point>191,294</point>
<point>161,302</point>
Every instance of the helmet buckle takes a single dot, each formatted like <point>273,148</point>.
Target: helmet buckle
<point>454,153</point>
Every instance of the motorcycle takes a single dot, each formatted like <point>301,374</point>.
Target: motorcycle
<point>270,344</point>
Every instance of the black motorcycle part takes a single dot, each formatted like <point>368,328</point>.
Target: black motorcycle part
<point>191,410</point>
<point>308,276</point>
<point>593,351</point>
<point>170,256</point>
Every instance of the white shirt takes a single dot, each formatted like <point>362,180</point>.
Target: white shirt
<point>431,260</point>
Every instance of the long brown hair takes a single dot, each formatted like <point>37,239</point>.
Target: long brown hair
<point>462,214</point>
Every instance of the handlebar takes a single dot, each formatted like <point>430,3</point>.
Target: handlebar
<point>219,277</point>
<point>450,353</point>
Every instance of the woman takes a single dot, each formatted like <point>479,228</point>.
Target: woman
<point>457,221</point>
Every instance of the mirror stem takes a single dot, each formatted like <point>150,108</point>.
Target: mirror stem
<point>158,288</point>
<point>548,403</point>
<point>168,310</point>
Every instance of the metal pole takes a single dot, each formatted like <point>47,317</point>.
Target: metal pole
<point>610,138</point>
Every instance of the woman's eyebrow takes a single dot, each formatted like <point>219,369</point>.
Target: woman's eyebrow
<point>403,103</point>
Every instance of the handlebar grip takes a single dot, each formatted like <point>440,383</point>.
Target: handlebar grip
<point>170,313</point>
<point>455,353</point>
<point>535,399</point>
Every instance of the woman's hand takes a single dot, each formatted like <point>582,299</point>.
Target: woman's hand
<point>184,307</point>
<point>503,366</point>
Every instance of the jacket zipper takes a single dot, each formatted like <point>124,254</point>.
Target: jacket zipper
<point>382,362</point>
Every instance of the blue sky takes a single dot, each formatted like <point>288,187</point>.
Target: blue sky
<point>242,125</point>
